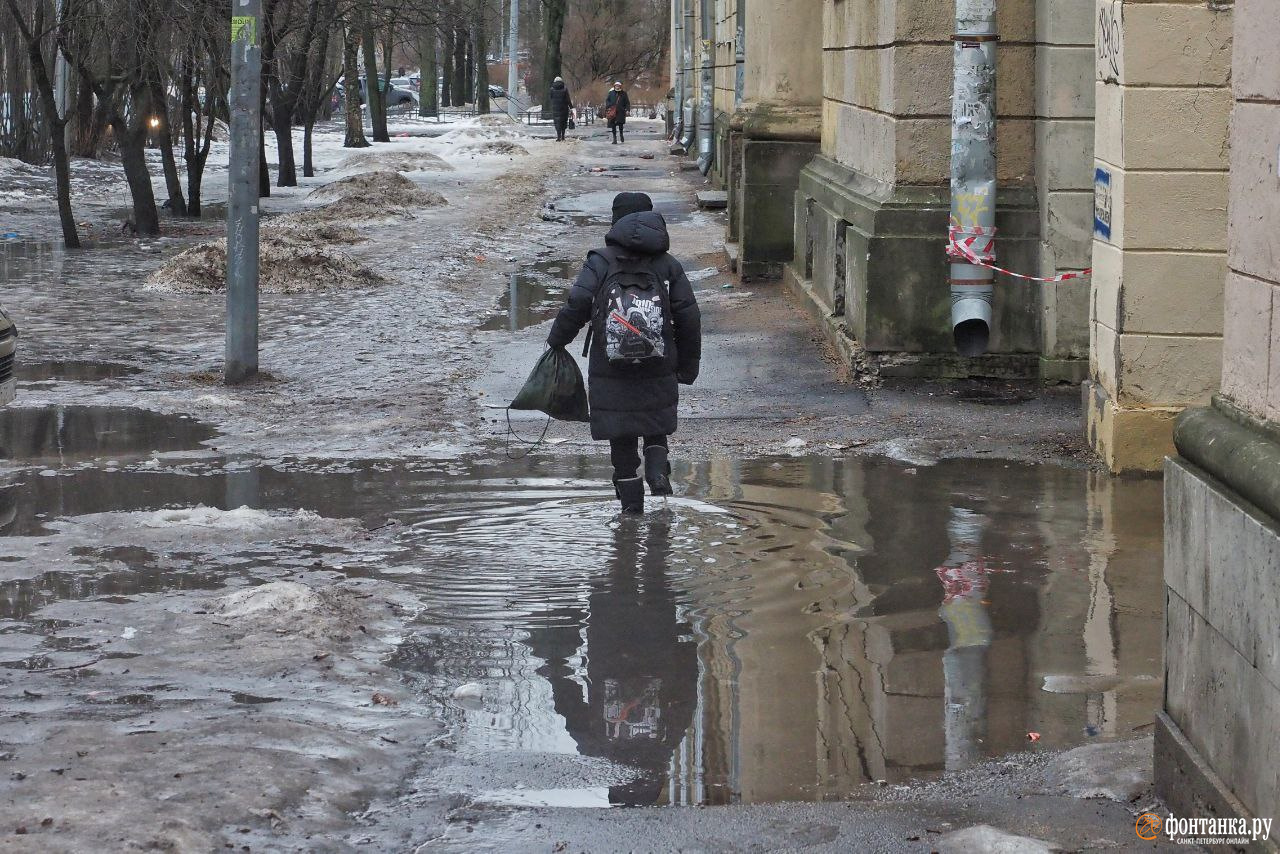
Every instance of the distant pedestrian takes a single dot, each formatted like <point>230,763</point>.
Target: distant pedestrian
<point>644,340</point>
<point>616,108</point>
<point>561,104</point>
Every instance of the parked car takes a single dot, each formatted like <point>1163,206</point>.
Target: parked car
<point>396,96</point>
<point>8,353</point>
<point>497,91</point>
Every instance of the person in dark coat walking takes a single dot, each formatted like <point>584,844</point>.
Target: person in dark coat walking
<point>616,107</point>
<point>630,402</point>
<point>560,104</point>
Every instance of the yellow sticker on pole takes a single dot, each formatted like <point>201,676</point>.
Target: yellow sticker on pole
<point>246,25</point>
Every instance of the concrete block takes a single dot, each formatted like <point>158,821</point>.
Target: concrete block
<point>1068,228</point>
<point>859,139</point>
<point>1015,151</point>
<point>1162,210</point>
<point>1016,80</point>
<point>1255,67</point>
<point>1064,155</point>
<point>713,200</point>
<point>1108,138</point>
<point>1104,358</point>
<point>1273,360</point>
<point>1162,44</point>
<point>1165,370</point>
<point>1186,544</point>
<point>1254,244</point>
<point>1223,706</point>
<point>1065,21</point>
<point>1158,292</point>
<point>1016,20</point>
<point>1064,81</point>
<point>920,80</point>
<point>1247,342</point>
<point>1127,439</point>
<point>1176,128</point>
<point>922,151</point>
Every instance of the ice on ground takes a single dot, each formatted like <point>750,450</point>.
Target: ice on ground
<point>277,597</point>
<point>379,194</point>
<point>501,147</point>
<point>1117,771</point>
<point>395,161</point>
<point>985,839</point>
<point>292,260</point>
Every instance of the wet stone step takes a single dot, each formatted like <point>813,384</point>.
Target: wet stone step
<point>713,200</point>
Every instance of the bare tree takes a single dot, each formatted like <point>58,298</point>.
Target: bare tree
<point>36,32</point>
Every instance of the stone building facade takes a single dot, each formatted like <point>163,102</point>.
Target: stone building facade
<point>831,134</point>
<point>1217,743</point>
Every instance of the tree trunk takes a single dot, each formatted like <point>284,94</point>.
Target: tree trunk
<point>58,124</point>
<point>427,92</point>
<point>375,98</point>
<point>133,157</point>
<point>460,67</point>
<point>172,181</point>
<point>446,86</point>
<point>264,170</point>
<point>553,14</point>
<point>282,125</point>
<point>351,93</point>
<point>308,165</point>
<point>482,60</point>
<point>469,81</point>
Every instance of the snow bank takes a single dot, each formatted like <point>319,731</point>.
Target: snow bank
<point>379,194</point>
<point>293,258</point>
<point>394,161</point>
<point>501,147</point>
<point>11,166</point>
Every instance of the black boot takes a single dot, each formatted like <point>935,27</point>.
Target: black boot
<point>630,492</point>
<point>657,470</point>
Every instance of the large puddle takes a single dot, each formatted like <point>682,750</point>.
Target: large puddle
<point>787,629</point>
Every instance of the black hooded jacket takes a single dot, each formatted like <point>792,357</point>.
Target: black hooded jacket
<point>628,400</point>
<point>560,101</point>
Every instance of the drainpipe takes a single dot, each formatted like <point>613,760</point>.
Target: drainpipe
<point>686,51</point>
<point>740,54</point>
<point>706,107</point>
<point>973,171</point>
<point>677,67</point>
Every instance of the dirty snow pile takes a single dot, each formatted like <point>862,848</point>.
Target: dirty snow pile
<point>394,161</point>
<point>294,257</point>
<point>380,194</point>
<point>496,146</point>
<point>12,166</point>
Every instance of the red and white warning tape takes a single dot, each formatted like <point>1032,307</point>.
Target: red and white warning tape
<point>960,247</point>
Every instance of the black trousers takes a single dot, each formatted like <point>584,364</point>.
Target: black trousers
<point>561,126</point>
<point>625,455</point>
<point>619,130</point>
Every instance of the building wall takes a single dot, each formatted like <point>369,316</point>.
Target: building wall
<point>1163,72</point>
<point>1217,746</point>
<point>887,89</point>
<point>1064,108</point>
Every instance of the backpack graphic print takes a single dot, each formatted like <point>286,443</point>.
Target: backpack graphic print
<point>632,313</point>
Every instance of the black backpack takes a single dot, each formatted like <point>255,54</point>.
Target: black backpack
<point>631,312</point>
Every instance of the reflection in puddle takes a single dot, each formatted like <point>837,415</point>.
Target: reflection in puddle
<point>533,295</point>
<point>73,371</point>
<point>85,432</point>
<point>847,620</point>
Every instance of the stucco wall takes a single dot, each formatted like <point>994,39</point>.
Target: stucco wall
<point>1251,349</point>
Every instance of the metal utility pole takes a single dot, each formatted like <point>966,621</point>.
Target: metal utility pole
<point>973,172</point>
<point>242,201</point>
<point>513,60</point>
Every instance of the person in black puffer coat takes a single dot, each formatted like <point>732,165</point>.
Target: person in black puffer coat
<point>631,402</point>
<point>560,102</point>
<point>616,106</point>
